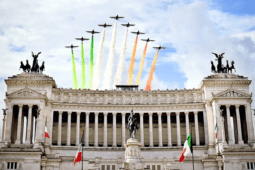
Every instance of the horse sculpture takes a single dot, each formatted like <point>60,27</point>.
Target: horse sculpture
<point>23,67</point>
<point>132,124</point>
<point>42,68</point>
<point>232,66</point>
<point>213,69</point>
<point>28,67</point>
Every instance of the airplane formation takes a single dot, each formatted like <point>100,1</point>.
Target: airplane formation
<point>117,17</point>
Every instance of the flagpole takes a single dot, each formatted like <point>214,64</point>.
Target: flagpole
<point>192,150</point>
<point>82,147</point>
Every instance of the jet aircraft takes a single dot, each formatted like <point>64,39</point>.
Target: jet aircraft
<point>82,39</point>
<point>147,40</point>
<point>159,48</point>
<point>128,25</point>
<point>138,32</point>
<point>104,25</point>
<point>71,47</point>
<point>117,17</point>
<point>93,32</point>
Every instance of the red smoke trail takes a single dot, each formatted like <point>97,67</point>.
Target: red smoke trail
<point>132,64</point>
<point>141,66</point>
<point>149,81</point>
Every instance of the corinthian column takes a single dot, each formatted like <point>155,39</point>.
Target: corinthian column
<point>59,127</point>
<point>187,123</point>
<point>78,129</point>
<point>69,129</point>
<point>105,129</point>
<point>169,129</point>
<point>19,125</point>
<point>123,129</point>
<point>196,128</point>
<point>87,130</point>
<point>141,129</point>
<point>160,129</point>
<point>151,129</point>
<point>96,130</point>
<point>114,129</point>
<point>178,129</point>
<point>28,140</point>
<point>240,139</point>
<point>230,136</point>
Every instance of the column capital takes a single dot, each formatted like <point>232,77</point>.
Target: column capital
<point>87,113</point>
<point>69,112</point>
<point>30,105</point>
<point>141,113</point>
<point>123,113</point>
<point>159,113</point>
<point>78,113</point>
<point>245,106</point>
<point>168,113</point>
<point>227,106</point>
<point>237,105</point>
<point>96,113</point>
<point>186,112</point>
<point>20,105</point>
<point>177,113</point>
<point>195,112</point>
<point>150,113</point>
<point>60,112</point>
<point>114,113</point>
<point>105,113</point>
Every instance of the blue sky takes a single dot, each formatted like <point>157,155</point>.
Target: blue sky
<point>190,29</point>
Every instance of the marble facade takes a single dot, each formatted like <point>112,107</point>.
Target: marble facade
<point>166,117</point>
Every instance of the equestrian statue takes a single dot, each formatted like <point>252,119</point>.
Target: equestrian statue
<point>35,66</point>
<point>132,124</point>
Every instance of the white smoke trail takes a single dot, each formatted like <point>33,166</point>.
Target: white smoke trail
<point>121,60</point>
<point>109,65</point>
<point>97,68</point>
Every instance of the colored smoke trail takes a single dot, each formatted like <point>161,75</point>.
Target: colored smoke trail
<point>83,75</point>
<point>121,60</point>
<point>97,68</point>
<point>91,62</point>
<point>141,66</point>
<point>132,64</point>
<point>75,81</point>
<point>109,65</point>
<point>149,81</point>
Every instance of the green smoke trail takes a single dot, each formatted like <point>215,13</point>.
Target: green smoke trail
<point>91,65</point>
<point>75,81</point>
<point>83,75</point>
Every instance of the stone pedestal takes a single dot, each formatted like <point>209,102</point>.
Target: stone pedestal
<point>133,155</point>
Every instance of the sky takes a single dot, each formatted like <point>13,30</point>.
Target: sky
<point>190,29</point>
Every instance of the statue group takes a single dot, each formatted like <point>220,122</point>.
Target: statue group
<point>220,67</point>
<point>132,124</point>
<point>35,67</point>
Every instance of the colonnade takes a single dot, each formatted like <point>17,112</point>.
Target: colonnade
<point>123,127</point>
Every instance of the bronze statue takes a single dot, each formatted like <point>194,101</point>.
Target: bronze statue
<point>42,68</point>
<point>219,59</point>
<point>28,67</point>
<point>232,66</point>
<point>4,112</point>
<point>132,124</point>
<point>22,66</point>
<point>213,67</point>
<point>35,66</point>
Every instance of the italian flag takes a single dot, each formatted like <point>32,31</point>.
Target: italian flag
<point>187,148</point>
<point>78,155</point>
<point>216,130</point>
<point>46,134</point>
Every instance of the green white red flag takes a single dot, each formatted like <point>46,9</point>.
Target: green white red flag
<point>216,130</point>
<point>187,148</point>
<point>46,134</point>
<point>78,155</point>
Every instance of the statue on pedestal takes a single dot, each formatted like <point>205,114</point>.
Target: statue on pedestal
<point>132,124</point>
